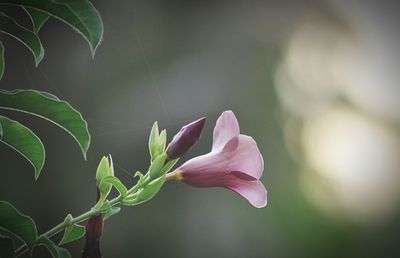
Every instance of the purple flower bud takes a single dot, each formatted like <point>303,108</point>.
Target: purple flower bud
<point>184,140</point>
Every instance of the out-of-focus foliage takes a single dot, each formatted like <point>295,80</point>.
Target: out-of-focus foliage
<point>48,107</point>
<point>17,224</point>
<point>55,251</point>
<point>81,15</point>
<point>24,141</point>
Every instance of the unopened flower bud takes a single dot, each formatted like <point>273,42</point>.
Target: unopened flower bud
<point>184,140</point>
<point>104,169</point>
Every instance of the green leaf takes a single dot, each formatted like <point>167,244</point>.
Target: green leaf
<point>27,37</point>
<point>112,180</point>
<point>24,141</point>
<point>6,247</point>
<point>1,60</point>
<point>72,233</point>
<point>49,107</point>
<point>55,251</point>
<point>38,18</point>
<point>18,224</point>
<point>155,170</point>
<point>79,14</point>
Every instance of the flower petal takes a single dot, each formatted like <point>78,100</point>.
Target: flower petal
<point>245,156</point>
<point>254,191</point>
<point>225,129</point>
<point>203,171</point>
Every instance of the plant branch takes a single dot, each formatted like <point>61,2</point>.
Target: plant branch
<point>81,218</point>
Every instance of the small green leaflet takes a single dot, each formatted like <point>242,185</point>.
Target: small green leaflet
<point>18,224</point>
<point>72,233</point>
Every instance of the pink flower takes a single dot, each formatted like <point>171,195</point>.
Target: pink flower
<point>234,163</point>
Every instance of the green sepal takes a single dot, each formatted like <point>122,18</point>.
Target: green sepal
<point>115,182</point>
<point>55,251</point>
<point>155,170</point>
<point>104,169</point>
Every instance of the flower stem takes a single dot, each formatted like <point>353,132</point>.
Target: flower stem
<point>81,218</point>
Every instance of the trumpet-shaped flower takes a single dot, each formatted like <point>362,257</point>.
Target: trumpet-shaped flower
<point>234,162</point>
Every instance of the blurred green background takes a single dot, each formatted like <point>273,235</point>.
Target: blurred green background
<point>315,83</point>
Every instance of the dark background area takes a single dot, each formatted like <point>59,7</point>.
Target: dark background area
<point>315,83</point>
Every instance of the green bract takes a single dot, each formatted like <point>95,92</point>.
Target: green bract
<point>104,169</point>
